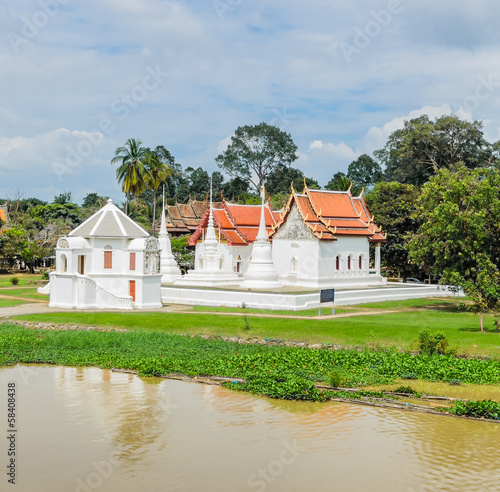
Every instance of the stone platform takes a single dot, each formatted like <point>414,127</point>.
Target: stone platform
<point>289,300</point>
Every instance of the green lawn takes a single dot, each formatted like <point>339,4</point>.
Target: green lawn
<point>27,293</point>
<point>10,302</point>
<point>397,329</point>
<point>307,312</point>
<point>442,303</point>
<point>23,278</point>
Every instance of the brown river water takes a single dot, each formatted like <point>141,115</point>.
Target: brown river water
<point>87,429</point>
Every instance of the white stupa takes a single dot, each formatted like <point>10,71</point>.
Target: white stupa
<point>211,270</point>
<point>261,272</point>
<point>168,266</point>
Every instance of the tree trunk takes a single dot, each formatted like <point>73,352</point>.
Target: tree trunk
<point>154,213</point>
<point>126,203</point>
<point>481,322</point>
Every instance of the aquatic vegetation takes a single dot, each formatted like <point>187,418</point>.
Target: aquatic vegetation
<point>480,409</point>
<point>275,371</point>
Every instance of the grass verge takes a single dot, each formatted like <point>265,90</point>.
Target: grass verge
<point>396,329</point>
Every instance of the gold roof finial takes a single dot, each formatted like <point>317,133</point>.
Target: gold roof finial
<point>305,186</point>
<point>291,186</point>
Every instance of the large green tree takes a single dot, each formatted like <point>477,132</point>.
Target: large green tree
<point>460,235</point>
<point>416,152</point>
<point>393,207</point>
<point>280,180</point>
<point>156,171</point>
<point>365,172</point>
<point>255,151</point>
<point>130,173</point>
<point>340,182</point>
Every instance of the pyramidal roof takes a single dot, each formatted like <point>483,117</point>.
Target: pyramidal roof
<point>109,221</point>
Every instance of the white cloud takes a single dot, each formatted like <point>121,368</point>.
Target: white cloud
<point>223,145</point>
<point>317,144</point>
<point>231,72</point>
<point>376,137</point>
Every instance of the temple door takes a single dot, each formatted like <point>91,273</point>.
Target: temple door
<point>132,289</point>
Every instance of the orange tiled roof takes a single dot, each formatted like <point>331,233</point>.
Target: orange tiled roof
<point>237,224</point>
<point>2,214</point>
<point>184,218</point>
<point>329,214</point>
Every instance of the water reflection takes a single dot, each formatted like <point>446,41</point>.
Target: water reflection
<point>88,429</point>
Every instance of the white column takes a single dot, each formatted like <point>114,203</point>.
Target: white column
<point>377,258</point>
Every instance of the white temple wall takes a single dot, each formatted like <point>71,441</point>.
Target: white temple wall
<point>344,248</point>
<point>62,289</point>
<point>148,292</point>
<point>296,259</point>
<point>244,252</point>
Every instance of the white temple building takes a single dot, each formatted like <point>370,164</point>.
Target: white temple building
<point>321,239</point>
<point>108,262</point>
<point>246,255</point>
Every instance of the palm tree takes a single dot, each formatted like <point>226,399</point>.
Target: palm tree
<point>155,173</point>
<point>131,172</point>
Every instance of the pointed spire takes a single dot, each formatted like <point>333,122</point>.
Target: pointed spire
<point>210,236</point>
<point>262,234</point>
<point>163,225</point>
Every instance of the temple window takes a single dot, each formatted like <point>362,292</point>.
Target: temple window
<point>108,257</point>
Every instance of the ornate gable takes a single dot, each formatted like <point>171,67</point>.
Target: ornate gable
<point>294,227</point>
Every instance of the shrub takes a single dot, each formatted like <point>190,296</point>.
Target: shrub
<point>406,390</point>
<point>432,344</point>
<point>14,281</point>
<point>335,378</point>
<point>45,275</point>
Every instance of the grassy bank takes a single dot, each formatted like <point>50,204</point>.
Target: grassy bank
<point>398,329</point>
<point>23,278</point>
<point>276,371</point>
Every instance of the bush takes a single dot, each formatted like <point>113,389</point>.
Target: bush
<point>335,378</point>
<point>432,344</point>
<point>45,275</point>
<point>406,390</point>
<point>14,281</point>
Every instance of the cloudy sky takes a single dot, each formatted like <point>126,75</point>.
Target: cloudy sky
<point>80,77</point>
